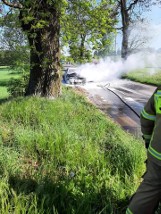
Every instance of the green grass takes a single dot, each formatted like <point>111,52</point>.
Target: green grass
<point>149,76</point>
<point>3,93</point>
<point>5,75</point>
<point>64,156</point>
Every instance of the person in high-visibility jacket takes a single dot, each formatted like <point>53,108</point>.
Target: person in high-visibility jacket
<point>148,195</point>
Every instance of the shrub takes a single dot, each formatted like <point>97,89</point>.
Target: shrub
<point>17,87</point>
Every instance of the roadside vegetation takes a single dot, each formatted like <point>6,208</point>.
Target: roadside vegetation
<point>150,76</point>
<point>4,78</point>
<point>12,82</point>
<point>65,156</point>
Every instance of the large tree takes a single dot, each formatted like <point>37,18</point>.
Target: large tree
<point>40,20</point>
<point>130,10</point>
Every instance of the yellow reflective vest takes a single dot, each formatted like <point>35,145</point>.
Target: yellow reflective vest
<point>151,125</point>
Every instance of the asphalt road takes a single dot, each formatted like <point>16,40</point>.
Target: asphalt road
<point>110,97</point>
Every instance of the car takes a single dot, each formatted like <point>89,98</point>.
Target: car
<point>70,76</point>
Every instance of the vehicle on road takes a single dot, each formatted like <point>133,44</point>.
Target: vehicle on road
<point>70,76</point>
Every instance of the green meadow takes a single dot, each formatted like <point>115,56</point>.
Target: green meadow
<point>149,76</point>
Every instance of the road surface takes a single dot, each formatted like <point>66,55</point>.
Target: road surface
<point>110,97</point>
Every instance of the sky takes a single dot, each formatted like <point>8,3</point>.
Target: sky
<point>153,29</point>
<point>154,17</point>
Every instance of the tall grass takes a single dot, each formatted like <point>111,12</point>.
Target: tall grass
<point>64,156</point>
<point>149,76</point>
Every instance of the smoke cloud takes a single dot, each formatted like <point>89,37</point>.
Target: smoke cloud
<point>109,69</point>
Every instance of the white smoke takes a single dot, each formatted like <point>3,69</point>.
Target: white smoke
<point>102,70</point>
<point>108,69</point>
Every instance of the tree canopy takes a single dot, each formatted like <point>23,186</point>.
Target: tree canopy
<point>86,26</point>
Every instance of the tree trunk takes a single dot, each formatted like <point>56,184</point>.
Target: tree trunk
<point>125,40</point>
<point>82,47</point>
<point>125,29</point>
<point>45,51</point>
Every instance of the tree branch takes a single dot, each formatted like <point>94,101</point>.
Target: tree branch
<point>14,5</point>
<point>132,4</point>
<point>118,28</point>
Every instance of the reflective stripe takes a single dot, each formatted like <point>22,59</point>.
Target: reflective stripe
<point>157,98</point>
<point>148,116</point>
<point>158,92</point>
<point>154,153</point>
<point>128,211</point>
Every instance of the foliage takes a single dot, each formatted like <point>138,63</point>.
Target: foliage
<point>18,58</point>
<point>92,23</point>
<point>64,156</point>
<point>14,53</point>
<point>13,83</point>
<point>17,87</point>
<point>14,46</point>
<point>107,49</point>
<point>5,75</point>
<point>85,28</point>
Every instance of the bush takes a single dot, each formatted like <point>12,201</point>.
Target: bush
<point>17,87</point>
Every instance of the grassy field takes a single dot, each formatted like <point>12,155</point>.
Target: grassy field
<point>149,76</point>
<point>5,75</point>
<point>65,156</point>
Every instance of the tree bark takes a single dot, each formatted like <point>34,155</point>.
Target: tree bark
<point>125,29</point>
<point>125,41</point>
<point>82,47</point>
<point>44,50</point>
